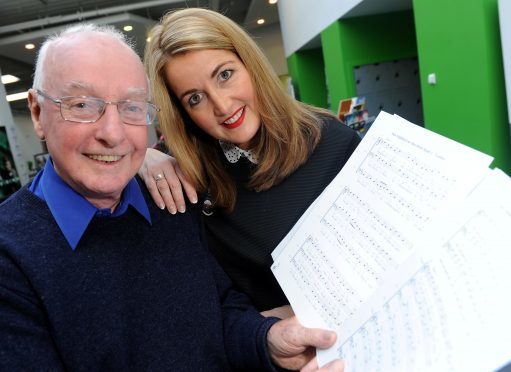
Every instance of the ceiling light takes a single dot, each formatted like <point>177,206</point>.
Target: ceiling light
<point>17,96</point>
<point>127,28</point>
<point>272,2</point>
<point>29,46</point>
<point>260,21</point>
<point>7,79</point>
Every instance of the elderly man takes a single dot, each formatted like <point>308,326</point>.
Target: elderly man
<point>92,276</point>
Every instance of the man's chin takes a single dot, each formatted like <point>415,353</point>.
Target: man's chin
<point>105,194</point>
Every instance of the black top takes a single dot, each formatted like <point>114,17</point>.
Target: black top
<point>243,241</point>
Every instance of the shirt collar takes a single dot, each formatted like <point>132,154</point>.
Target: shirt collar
<point>73,212</point>
<point>233,153</point>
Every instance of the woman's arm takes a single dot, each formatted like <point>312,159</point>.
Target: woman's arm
<point>166,181</point>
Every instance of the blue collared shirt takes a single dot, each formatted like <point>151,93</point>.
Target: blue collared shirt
<point>73,212</point>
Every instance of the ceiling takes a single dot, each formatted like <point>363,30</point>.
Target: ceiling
<point>30,21</point>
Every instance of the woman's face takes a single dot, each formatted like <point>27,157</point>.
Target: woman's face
<point>215,89</point>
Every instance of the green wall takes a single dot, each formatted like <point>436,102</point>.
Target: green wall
<point>364,40</point>
<point>307,71</point>
<point>458,40</point>
<point>461,45</point>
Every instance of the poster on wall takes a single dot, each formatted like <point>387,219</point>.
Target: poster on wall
<point>9,179</point>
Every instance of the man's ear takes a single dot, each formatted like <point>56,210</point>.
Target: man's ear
<point>35,113</point>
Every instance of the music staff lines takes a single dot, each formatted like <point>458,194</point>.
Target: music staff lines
<point>416,180</point>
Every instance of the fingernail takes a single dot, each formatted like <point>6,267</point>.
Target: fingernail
<point>161,206</point>
<point>328,336</point>
<point>172,211</point>
<point>194,201</point>
<point>182,209</point>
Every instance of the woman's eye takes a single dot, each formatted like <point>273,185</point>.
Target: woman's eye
<point>225,75</point>
<point>194,99</point>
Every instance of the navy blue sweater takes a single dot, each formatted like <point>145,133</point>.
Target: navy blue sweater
<point>130,297</point>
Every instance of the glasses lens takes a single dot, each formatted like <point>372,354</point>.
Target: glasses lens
<point>133,112</point>
<point>81,109</point>
<point>90,109</point>
<point>136,112</point>
<point>152,110</point>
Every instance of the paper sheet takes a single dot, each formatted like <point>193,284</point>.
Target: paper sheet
<point>366,223</point>
<point>447,307</point>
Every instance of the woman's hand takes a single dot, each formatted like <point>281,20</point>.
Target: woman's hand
<point>166,181</point>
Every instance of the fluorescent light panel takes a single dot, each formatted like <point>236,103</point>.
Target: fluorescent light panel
<point>7,79</point>
<point>17,96</point>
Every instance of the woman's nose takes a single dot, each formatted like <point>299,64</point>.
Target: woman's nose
<point>221,103</point>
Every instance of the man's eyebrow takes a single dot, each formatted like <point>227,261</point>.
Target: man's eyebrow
<point>137,91</point>
<point>75,84</point>
<point>88,89</point>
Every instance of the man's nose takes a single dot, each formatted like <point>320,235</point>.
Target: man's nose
<point>111,127</point>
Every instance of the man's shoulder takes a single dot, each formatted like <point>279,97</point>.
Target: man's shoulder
<point>158,215</point>
<point>23,211</point>
<point>14,203</point>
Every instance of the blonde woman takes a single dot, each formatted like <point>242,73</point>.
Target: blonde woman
<point>259,156</point>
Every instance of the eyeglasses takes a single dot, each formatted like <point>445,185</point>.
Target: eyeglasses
<point>90,109</point>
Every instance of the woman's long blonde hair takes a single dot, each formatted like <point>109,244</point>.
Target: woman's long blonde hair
<point>289,130</point>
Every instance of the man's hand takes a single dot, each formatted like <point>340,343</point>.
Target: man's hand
<point>292,346</point>
<point>166,182</point>
<point>281,312</point>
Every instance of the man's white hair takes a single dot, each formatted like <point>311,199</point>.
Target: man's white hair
<point>106,30</point>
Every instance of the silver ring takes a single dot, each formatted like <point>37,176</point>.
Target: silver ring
<point>158,177</point>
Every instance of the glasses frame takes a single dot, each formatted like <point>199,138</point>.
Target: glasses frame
<point>58,101</point>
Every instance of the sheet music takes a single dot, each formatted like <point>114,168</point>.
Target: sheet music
<point>447,307</point>
<point>365,224</point>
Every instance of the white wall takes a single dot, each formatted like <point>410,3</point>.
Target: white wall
<point>29,143</point>
<point>269,38</point>
<point>303,20</point>
<point>505,34</point>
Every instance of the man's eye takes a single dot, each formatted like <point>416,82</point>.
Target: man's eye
<point>134,108</point>
<point>195,99</point>
<point>225,75</point>
<point>79,105</point>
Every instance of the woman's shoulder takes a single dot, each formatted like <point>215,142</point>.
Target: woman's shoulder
<point>333,131</point>
<point>331,123</point>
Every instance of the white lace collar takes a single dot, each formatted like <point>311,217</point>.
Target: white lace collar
<point>233,153</point>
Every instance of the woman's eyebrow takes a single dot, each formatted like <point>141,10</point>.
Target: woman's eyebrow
<point>217,68</point>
